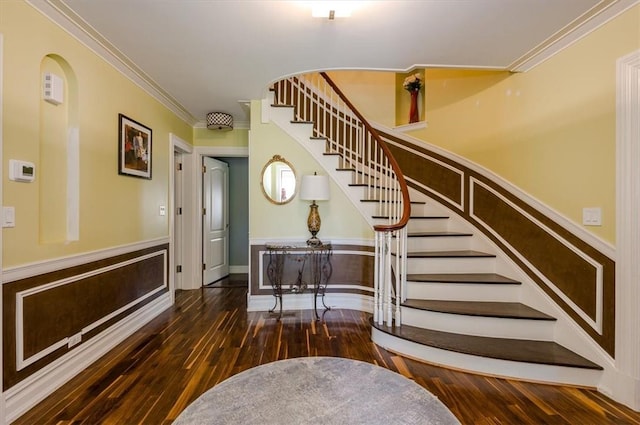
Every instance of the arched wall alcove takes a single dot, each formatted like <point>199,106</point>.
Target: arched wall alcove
<point>58,177</point>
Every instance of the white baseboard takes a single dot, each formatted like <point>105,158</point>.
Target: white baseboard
<point>624,389</point>
<point>238,269</point>
<point>305,302</point>
<point>27,393</point>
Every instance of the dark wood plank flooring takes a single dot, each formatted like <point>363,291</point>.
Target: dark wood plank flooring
<point>209,335</point>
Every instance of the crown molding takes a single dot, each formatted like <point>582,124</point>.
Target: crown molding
<point>74,25</point>
<point>599,15</point>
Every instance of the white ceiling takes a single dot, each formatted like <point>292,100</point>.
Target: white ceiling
<point>199,56</point>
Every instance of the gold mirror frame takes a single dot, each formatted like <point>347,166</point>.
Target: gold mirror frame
<point>271,183</point>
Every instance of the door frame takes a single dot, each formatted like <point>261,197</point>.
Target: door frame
<point>214,166</point>
<point>180,247</point>
<point>192,278</point>
<point>627,384</point>
<point>2,404</point>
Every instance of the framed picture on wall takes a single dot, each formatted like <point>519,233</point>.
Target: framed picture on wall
<point>134,148</point>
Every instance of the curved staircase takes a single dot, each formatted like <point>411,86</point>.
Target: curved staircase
<point>460,313</point>
<point>463,304</point>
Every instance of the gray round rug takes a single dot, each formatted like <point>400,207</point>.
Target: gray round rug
<point>317,390</point>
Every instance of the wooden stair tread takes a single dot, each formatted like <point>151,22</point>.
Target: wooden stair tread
<point>464,253</point>
<point>509,310</point>
<point>422,217</point>
<point>372,187</point>
<point>465,278</point>
<point>378,200</point>
<point>436,234</point>
<point>517,350</point>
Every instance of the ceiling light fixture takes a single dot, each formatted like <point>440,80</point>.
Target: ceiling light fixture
<point>331,9</point>
<point>219,121</point>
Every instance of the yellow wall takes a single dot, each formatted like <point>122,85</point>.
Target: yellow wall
<point>237,138</point>
<point>550,131</point>
<point>371,92</point>
<point>114,209</point>
<point>340,219</point>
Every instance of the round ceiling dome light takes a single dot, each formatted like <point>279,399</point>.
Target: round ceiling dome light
<point>219,121</point>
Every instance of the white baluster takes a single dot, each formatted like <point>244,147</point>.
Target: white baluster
<point>376,279</point>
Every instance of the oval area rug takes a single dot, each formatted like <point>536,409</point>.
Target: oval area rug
<point>317,390</point>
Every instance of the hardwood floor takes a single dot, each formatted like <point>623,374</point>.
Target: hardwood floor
<point>209,335</point>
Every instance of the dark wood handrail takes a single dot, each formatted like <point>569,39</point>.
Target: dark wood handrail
<point>406,202</point>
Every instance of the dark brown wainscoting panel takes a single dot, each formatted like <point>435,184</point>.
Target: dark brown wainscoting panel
<point>574,276</point>
<point>348,268</point>
<point>505,218</point>
<point>445,181</point>
<point>573,266</point>
<point>87,298</point>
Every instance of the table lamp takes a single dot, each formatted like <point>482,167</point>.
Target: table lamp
<point>314,188</point>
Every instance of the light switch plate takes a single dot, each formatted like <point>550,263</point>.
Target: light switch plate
<point>592,216</point>
<point>8,217</point>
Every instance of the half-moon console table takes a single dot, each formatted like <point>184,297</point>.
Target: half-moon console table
<point>317,257</point>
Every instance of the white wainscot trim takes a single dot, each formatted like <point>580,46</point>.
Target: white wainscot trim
<point>24,271</point>
<point>21,296</point>
<point>26,394</point>
<point>333,241</point>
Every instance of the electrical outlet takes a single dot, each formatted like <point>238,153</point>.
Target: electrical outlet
<point>163,210</point>
<point>75,339</point>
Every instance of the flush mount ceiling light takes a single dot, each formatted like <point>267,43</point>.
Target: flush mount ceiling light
<point>332,9</point>
<point>219,121</point>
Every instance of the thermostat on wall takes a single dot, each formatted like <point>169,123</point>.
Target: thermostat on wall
<point>22,171</point>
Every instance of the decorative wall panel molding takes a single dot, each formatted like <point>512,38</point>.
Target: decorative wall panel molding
<point>46,316</point>
<point>560,261</point>
<point>575,269</point>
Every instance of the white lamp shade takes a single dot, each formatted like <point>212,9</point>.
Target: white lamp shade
<point>314,188</point>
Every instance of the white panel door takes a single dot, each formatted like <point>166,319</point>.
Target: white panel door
<point>215,223</point>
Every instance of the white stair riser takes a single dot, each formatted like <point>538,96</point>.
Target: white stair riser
<point>504,368</point>
<point>540,330</point>
<point>462,292</point>
<point>451,265</point>
<point>344,178</point>
<point>428,225</point>
<point>439,243</point>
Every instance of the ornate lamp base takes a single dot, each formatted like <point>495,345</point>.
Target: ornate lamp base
<point>313,223</point>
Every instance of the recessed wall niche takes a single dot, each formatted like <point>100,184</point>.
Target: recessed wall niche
<point>58,177</point>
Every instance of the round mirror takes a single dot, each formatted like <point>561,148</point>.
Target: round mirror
<point>278,180</point>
